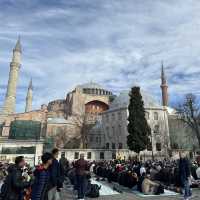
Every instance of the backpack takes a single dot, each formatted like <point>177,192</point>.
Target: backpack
<point>94,191</point>
<point>160,190</point>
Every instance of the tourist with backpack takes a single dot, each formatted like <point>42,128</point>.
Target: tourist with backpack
<point>14,184</point>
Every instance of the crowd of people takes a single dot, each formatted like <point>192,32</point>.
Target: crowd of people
<point>152,177</point>
<point>19,181</point>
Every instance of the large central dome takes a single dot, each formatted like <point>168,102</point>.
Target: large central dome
<point>123,100</point>
<point>91,85</point>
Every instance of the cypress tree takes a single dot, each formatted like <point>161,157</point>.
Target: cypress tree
<point>138,128</point>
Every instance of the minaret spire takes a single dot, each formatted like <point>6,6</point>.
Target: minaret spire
<point>164,86</point>
<point>29,97</point>
<point>10,99</point>
<point>18,45</point>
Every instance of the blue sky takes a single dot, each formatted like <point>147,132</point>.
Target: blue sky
<point>113,42</point>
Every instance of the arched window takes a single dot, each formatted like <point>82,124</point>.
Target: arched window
<point>158,146</point>
<point>147,115</point>
<point>119,116</point>
<point>120,145</point>
<point>119,129</point>
<point>113,145</point>
<point>89,155</point>
<point>113,131</point>
<point>76,155</point>
<point>107,145</point>
<point>155,116</point>
<point>113,116</point>
<point>156,129</point>
<point>101,155</point>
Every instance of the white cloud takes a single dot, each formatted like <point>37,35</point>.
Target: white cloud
<point>116,43</point>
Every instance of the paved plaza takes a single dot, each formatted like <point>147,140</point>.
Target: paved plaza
<point>128,195</point>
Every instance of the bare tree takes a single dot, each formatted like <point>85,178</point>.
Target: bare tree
<point>189,112</point>
<point>83,125</point>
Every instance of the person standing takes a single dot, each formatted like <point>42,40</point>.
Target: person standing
<point>55,180</point>
<point>184,175</point>
<point>64,166</point>
<point>14,185</point>
<point>41,174</point>
<point>81,170</point>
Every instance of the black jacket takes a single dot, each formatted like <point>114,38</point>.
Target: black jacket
<point>14,184</point>
<point>184,169</point>
<point>55,175</point>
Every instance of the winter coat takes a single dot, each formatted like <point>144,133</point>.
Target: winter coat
<point>15,184</point>
<point>81,167</point>
<point>39,188</point>
<point>184,170</point>
<point>55,179</point>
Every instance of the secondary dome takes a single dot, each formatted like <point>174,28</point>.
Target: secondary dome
<point>123,100</point>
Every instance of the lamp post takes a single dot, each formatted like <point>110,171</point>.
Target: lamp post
<point>152,153</point>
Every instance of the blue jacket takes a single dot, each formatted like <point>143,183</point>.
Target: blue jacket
<point>40,186</point>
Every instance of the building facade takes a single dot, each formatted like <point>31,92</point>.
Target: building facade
<point>115,123</point>
<point>89,117</point>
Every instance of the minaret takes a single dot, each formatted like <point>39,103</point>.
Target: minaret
<point>164,87</point>
<point>29,97</point>
<point>10,99</point>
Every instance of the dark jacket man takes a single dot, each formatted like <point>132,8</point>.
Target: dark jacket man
<point>41,174</point>
<point>14,184</point>
<point>184,170</point>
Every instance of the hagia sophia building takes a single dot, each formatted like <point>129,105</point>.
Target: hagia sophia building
<point>90,120</point>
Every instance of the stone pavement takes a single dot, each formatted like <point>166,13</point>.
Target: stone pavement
<point>127,195</point>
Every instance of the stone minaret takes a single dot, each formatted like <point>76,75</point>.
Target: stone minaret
<point>10,100</point>
<point>29,97</point>
<point>164,87</point>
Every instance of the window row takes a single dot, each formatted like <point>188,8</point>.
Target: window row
<point>118,116</point>
<point>158,147</point>
<point>120,146</point>
<point>96,91</point>
<point>89,155</point>
<point>114,116</point>
<point>155,115</point>
<point>96,139</point>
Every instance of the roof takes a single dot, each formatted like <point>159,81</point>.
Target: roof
<point>123,100</point>
<point>91,85</point>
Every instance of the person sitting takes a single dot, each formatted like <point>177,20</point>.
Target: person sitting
<point>148,186</point>
<point>198,171</point>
